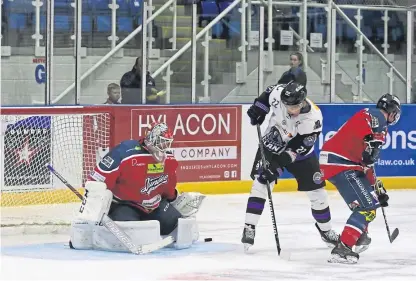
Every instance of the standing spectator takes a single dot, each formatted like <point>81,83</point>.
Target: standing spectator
<point>295,73</point>
<point>113,92</point>
<point>131,86</point>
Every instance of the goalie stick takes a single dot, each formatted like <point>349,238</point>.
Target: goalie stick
<point>269,192</point>
<point>115,229</point>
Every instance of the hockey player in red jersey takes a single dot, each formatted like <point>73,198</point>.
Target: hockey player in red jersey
<point>347,161</point>
<point>136,182</point>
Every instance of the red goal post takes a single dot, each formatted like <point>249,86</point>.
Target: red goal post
<point>72,139</point>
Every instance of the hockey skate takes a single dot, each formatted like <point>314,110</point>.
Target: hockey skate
<point>330,237</point>
<point>249,233</point>
<point>343,254</point>
<point>362,243</point>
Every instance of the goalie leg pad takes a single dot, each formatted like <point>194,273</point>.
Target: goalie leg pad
<point>140,232</point>
<point>186,233</point>
<point>96,203</point>
<point>81,235</point>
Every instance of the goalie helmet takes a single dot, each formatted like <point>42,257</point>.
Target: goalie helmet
<point>391,105</point>
<point>158,137</point>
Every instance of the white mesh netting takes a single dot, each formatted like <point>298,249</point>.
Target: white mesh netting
<point>30,194</point>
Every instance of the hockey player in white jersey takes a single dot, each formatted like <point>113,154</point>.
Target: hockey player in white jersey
<point>294,126</point>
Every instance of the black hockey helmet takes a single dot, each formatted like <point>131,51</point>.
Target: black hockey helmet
<point>391,105</point>
<point>293,93</point>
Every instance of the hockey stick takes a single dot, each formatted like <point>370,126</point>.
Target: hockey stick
<point>269,191</point>
<point>113,227</point>
<point>395,233</point>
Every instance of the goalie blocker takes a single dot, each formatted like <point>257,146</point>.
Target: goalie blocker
<point>174,218</point>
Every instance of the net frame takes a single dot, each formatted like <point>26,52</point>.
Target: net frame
<point>46,207</point>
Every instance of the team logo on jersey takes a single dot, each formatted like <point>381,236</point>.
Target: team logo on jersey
<point>153,183</point>
<point>155,168</point>
<point>273,141</point>
<point>309,141</point>
<point>317,178</point>
<point>107,161</point>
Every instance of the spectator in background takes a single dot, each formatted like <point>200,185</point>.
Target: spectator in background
<point>113,92</point>
<point>413,92</point>
<point>295,73</point>
<point>131,87</point>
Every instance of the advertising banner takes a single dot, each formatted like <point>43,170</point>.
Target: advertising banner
<point>207,139</point>
<point>26,150</point>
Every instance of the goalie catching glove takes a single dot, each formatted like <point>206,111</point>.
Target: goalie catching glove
<point>188,203</point>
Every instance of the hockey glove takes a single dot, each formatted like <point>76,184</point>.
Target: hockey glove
<point>270,174</point>
<point>257,112</point>
<point>373,144</point>
<point>381,192</point>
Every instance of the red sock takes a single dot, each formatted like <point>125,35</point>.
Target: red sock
<point>350,236</point>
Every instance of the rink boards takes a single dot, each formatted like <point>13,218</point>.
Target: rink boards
<point>215,146</point>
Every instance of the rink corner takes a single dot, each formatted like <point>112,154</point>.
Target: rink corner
<point>284,185</point>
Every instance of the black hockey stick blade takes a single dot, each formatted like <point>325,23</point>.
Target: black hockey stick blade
<point>394,235</point>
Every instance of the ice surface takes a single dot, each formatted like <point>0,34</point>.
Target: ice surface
<point>47,257</point>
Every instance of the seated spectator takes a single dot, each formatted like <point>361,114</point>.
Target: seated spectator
<point>131,87</point>
<point>113,92</point>
<point>295,73</point>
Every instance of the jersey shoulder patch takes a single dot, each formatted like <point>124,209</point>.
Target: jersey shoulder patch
<point>311,122</point>
<point>376,120</point>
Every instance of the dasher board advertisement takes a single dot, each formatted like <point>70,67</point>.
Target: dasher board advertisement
<point>207,142</point>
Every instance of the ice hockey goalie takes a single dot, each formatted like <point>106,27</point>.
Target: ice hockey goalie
<point>135,185</point>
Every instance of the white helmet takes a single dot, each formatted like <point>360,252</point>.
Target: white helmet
<point>158,139</point>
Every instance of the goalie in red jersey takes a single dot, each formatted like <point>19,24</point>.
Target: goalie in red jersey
<point>347,161</point>
<point>135,185</point>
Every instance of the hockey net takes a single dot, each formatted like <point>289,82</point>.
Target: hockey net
<point>71,139</point>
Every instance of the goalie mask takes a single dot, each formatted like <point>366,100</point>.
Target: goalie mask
<point>158,140</point>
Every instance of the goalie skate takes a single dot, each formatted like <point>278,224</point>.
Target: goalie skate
<point>249,233</point>
<point>330,237</point>
<point>343,254</point>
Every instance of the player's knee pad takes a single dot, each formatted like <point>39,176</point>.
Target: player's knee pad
<point>258,189</point>
<point>188,203</point>
<point>96,203</point>
<point>318,198</point>
<point>186,233</point>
